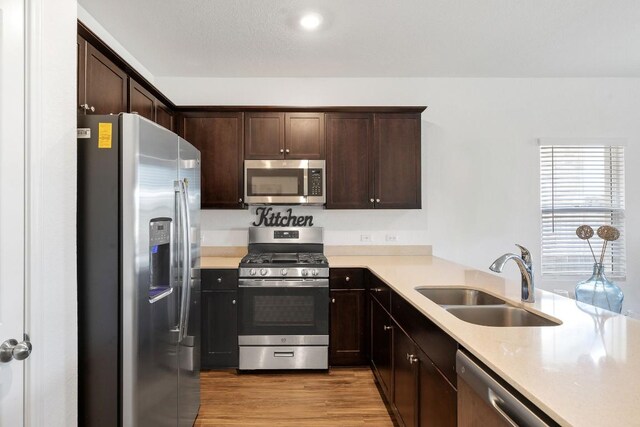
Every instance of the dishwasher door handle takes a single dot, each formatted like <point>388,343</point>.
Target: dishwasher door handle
<point>496,402</point>
<point>510,407</point>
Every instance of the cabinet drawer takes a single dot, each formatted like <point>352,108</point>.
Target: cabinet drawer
<point>219,279</point>
<point>346,278</point>
<point>437,345</point>
<point>304,357</point>
<point>380,292</point>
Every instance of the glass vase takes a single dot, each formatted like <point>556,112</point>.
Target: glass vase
<point>599,291</point>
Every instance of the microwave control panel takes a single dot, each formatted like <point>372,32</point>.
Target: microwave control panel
<point>315,182</point>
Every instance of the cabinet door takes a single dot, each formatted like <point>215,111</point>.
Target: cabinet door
<point>347,338</point>
<point>438,398</point>
<point>106,84</point>
<point>381,340</point>
<point>218,136</point>
<point>304,136</point>
<point>80,73</point>
<point>349,161</point>
<point>141,101</point>
<point>397,161</point>
<point>264,136</point>
<point>405,377</point>
<point>219,329</point>
<point>164,117</point>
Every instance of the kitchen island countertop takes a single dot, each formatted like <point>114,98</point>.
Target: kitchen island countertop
<point>584,372</point>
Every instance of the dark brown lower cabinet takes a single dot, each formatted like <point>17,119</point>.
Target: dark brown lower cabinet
<point>219,323</point>
<point>405,377</point>
<point>347,338</point>
<point>219,329</point>
<point>381,347</point>
<point>437,397</point>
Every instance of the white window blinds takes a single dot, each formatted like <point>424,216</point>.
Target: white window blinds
<point>581,184</point>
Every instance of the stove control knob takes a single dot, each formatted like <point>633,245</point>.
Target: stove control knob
<point>314,272</point>
<point>304,272</point>
<point>263,271</point>
<point>252,272</point>
<point>283,271</point>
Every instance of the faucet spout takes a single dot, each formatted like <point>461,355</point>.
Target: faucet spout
<point>526,271</point>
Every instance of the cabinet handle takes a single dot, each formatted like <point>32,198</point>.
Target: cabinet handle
<point>346,279</point>
<point>377,200</point>
<point>240,200</point>
<point>412,358</point>
<point>282,150</point>
<point>371,200</point>
<point>86,107</point>
<point>287,150</point>
<point>387,328</point>
<point>333,300</point>
<point>233,302</point>
<point>377,289</point>
<point>219,279</point>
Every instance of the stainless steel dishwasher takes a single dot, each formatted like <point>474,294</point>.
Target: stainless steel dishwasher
<point>484,401</point>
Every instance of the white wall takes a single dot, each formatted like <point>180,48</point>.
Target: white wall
<point>480,156</point>
<point>51,273</point>
<point>90,22</point>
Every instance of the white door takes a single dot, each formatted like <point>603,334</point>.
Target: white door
<point>12,213</point>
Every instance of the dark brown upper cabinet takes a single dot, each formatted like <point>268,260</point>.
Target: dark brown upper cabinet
<point>349,161</point>
<point>81,56</point>
<point>103,88</point>
<point>218,136</point>
<point>397,161</point>
<point>304,136</point>
<point>109,85</point>
<point>141,101</point>
<point>275,135</point>
<point>165,117</point>
<point>264,136</point>
<point>373,161</point>
<point>144,103</point>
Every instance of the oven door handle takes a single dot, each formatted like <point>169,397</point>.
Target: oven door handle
<point>316,283</point>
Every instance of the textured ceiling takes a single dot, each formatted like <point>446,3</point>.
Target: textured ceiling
<point>378,38</point>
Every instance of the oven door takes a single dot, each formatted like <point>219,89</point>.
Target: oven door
<point>283,312</point>
<point>275,181</point>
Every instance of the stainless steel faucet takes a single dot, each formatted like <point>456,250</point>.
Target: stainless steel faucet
<point>526,270</point>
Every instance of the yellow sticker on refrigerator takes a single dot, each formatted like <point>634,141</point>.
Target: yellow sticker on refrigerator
<point>104,135</point>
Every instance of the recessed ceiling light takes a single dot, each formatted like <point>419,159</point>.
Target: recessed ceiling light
<point>311,21</point>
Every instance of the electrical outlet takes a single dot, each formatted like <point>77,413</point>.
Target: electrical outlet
<point>365,237</point>
<point>391,238</point>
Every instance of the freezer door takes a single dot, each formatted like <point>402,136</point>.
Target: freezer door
<point>149,296</point>
<point>189,346</point>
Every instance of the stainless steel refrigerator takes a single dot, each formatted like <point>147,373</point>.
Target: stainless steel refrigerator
<point>138,274</point>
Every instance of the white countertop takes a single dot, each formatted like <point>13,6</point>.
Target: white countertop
<point>584,372</point>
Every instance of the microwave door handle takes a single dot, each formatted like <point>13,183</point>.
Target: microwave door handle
<point>305,182</point>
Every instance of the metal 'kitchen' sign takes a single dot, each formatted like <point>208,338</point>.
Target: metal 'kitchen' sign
<point>268,218</point>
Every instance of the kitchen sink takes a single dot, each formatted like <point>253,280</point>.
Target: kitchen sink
<point>499,315</point>
<point>459,296</point>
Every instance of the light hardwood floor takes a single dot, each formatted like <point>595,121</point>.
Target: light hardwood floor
<point>345,397</point>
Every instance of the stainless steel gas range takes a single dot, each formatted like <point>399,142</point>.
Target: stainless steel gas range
<point>283,307</point>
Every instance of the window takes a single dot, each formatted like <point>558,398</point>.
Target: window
<point>581,184</point>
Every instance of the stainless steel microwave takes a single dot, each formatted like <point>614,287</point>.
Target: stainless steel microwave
<point>284,182</point>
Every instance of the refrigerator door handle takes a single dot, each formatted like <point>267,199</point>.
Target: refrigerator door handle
<point>186,259</point>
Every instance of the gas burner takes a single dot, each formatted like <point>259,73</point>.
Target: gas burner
<point>273,256</point>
